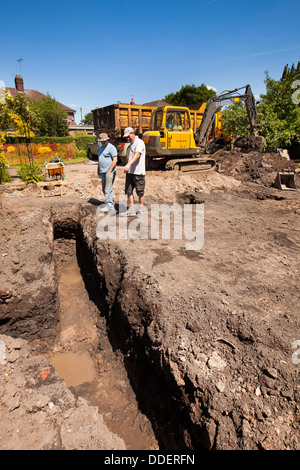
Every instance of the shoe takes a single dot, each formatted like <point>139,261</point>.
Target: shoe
<point>140,213</point>
<point>102,209</point>
<point>111,211</point>
<point>128,213</point>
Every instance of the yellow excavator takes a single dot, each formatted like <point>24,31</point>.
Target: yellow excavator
<point>171,142</point>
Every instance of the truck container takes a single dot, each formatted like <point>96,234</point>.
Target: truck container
<point>114,119</point>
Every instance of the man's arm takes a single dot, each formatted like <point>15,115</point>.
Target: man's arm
<point>135,157</point>
<point>113,164</point>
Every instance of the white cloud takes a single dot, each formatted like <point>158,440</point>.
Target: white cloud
<point>275,51</point>
<point>209,87</point>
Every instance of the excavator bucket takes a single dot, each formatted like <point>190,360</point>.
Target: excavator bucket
<point>285,180</point>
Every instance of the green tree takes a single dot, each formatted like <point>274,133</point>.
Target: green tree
<point>290,73</point>
<point>189,95</point>
<point>88,119</point>
<point>4,175</point>
<point>16,112</point>
<point>277,112</point>
<point>235,120</point>
<point>51,119</point>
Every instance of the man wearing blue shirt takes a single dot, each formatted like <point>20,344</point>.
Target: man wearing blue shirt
<point>107,161</point>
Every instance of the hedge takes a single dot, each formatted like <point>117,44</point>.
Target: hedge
<point>45,148</point>
<point>80,141</point>
<point>18,153</point>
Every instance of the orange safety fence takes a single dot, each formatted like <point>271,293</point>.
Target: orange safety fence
<point>19,153</point>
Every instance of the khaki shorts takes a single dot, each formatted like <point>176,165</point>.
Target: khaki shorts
<point>135,181</point>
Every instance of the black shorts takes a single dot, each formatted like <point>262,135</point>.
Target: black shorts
<point>135,181</point>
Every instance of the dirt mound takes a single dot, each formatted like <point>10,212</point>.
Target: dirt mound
<point>250,142</point>
<point>253,166</point>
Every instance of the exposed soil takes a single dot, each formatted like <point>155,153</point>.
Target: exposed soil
<point>207,336</point>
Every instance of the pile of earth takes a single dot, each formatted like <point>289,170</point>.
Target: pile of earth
<point>254,166</point>
<point>250,142</point>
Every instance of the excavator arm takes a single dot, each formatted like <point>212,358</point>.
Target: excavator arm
<point>225,98</point>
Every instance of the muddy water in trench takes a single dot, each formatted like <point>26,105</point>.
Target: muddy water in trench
<point>84,357</point>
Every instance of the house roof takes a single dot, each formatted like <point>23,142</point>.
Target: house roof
<point>157,103</point>
<point>35,95</point>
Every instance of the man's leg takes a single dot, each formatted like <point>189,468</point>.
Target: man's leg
<point>130,200</point>
<point>129,192</point>
<point>140,189</point>
<point>141,201</point>
<point>102,207</point>
<point>102,177</point>
<point>108,191</point>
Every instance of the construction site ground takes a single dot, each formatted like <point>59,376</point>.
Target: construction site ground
<point>181,349</point>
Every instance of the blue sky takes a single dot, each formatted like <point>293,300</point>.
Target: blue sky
<point>90,53</point>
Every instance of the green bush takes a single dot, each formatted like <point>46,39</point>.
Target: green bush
<point>80,153</point>
<point>4,176</point>
<point>81,141</point>
<point>31,173</point>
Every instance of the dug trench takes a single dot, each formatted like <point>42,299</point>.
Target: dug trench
<point>205,336</point>
<point>90,322</point>
<point>136,391</point>
<point>85,355</point>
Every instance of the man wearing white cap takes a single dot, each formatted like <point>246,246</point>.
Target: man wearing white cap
<point>107,161</point>
<point>135,171</point>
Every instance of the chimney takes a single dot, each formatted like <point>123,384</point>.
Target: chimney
<point>19,83</point>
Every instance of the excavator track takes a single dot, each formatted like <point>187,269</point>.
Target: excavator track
<point>191,165</point>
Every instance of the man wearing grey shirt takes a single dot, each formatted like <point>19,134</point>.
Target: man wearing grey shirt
<point>135,170</point>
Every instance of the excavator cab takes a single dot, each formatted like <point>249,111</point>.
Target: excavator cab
<point>178,129</point>
<point>170,133</point>
<point>170,141</point>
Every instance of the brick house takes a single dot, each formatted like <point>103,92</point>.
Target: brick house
<point>34,95</point>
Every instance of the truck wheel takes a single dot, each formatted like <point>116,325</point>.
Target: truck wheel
<point>89,154</point>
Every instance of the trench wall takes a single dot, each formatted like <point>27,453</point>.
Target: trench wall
<point>28,290</point>
<point>29,310</point>
<point>132,325</point>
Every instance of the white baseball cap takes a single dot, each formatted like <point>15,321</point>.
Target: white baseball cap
<point>128,131</point>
